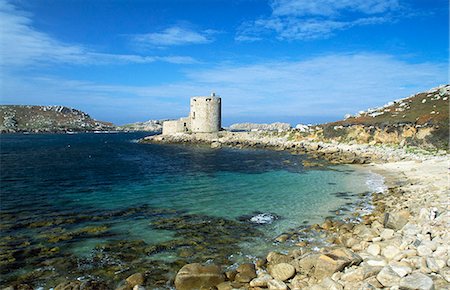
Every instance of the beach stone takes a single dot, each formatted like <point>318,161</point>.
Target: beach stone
<point>387,234</point>
<point>282,271</point>
<point>327,264</point>
<point>411,229</point>
<point>396,220</point>
<point>390,252</point>
<point>277,258</point>
<point>225,286</point>
<point>245,273</point>
<point>424,250</point>
<point>329,284</point>
<point>136,279</point>
<point>416,281</point>
<point>276,285</point>
<point>345,253</point>
<point>374,249</point>
<point>261,281</point>
<point>194,276</point>
<point>306,263</point>
<point>138,287</point>
<point>401,268</point>
<point>376,262</point>
<point>387,277</point>
<point>432,264</point>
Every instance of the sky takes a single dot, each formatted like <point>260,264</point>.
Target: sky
<point>296,61</point>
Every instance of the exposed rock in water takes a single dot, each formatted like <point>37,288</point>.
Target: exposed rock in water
<point>18,118</point>
<point>261,127</point>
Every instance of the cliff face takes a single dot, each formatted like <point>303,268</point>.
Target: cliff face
<point>420,120</point>
<point>17,118</point>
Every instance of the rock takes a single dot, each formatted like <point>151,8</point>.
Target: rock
<point>401,268</point>
<point>387,277</point>
<point>245,273</point>
<point>416,281</point>
<point>282,271</point>
<point>360,273</point>
<point>432,264</point>
<point>396,220</point>
<point>327,264</point>
<point>354,258</point>
<point>424,250</point>
<point>390,252</point>
<point>387,234</point>
<point>215,145</point>
<point>194,276</point>
<point>261,281</point>
<point>306,263</point>
<point>276,285</point>
<point>136,279</point>
<point>374,249</point>
<point>277,258</point>
<point>139,287</point>
<point>329,284</point>
<point>224,286</point>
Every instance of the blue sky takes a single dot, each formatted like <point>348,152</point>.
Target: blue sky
<point>298,61</point>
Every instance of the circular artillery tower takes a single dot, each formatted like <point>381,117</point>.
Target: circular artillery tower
<point>206,114</point>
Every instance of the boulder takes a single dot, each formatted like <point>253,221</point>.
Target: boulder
<point>245,273</point>
<point>327,264</point>
<point>329,284</point>
<point>306,263</point>
<point>261,281</point>
<point>387,277</point>
<point>354,258</point>
<point>276,258</point>
<point>282,271</point>
<point>374,249</point>
<point>276,285</point>
<point>390,252</point>
<point>416,281</point>
<point>396,220</point>
<point>195,276</point>
<point>136,279</point>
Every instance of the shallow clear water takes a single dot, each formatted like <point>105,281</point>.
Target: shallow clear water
<point>98,175</point>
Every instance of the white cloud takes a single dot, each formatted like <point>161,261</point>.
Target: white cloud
<point>328,85</point>
<point>304,19</point>
<point>22,45</point>
<point>174,36</point>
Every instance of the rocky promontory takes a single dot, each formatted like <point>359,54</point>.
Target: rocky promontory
<point>38,119</point>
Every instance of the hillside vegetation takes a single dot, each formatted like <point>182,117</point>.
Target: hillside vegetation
<point>18,118</point>
<point>419,120</point>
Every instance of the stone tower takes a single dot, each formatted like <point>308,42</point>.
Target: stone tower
<point>205,115</point>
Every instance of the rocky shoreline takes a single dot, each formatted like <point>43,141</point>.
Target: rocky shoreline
<point>402,244</point>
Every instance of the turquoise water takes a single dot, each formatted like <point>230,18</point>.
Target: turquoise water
<point>160,196</point>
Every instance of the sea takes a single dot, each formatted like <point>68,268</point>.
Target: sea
<point>104,206</point>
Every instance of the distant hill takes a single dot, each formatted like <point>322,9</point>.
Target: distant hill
<point>19,118</point>
<point>420,120</point>
<point>150,126</point>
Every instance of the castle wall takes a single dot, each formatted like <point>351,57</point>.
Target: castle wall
<point>181,125</point>
<point>205,114</point>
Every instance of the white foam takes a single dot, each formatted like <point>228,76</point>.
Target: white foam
<point>263,218</point>
<point>375,182</point>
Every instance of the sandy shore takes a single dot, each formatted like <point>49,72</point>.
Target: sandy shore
<point>402,244</point>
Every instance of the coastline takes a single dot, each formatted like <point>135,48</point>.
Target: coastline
<point>401,244</point>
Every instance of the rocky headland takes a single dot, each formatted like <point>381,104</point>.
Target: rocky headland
<point>42,119</point>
